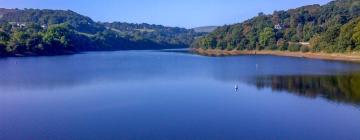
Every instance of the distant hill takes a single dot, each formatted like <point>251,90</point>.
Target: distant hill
<point>333,27</point>
<point>52,32</point>
<point>205,29</point>
<point>51,17</point>
<point>156,33</point>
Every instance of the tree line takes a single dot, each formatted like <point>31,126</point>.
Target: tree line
<point>333,27</point>
<point>54,32</point>
<point>156,33</point>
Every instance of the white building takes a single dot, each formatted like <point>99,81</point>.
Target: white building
<point>278,27</point>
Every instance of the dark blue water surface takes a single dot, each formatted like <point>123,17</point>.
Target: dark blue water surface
<point>164,95</point>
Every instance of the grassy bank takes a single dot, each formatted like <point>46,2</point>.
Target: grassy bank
<point>350,57</point>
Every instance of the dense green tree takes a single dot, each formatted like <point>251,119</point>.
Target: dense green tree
<point>294,47</point>
<point>299,32</point>
<point>266,36</point>
<point>289,34</point>
<point>282,44</point>
<point>5,27</point>
<point>230,46</point>
<point>17,43</point>
<point>356,36</point>
<point>252,41</point>
<point>309,31</point>
<point>208,43</point>
<point>33,43</point>
<point>58,37</point>
<point>221,45</point>
<point>304,48</point>
<point>329,38</point>
<point>315,43</point>
<point>346,39</point>
<point>331,34</point>
<point>3,51</point>
<point>4,37</point>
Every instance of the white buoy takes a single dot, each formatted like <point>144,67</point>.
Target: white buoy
<point>236,87</point>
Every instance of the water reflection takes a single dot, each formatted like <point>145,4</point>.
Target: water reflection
<point>138,67</point>
<point>339,88</point>
<point>86,69</point>
<point>125,95</point>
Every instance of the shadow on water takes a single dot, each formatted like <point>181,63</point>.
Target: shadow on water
<point>339,88</point>
<point>184,51</point>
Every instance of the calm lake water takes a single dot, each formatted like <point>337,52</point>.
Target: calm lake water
<point>154,95</point>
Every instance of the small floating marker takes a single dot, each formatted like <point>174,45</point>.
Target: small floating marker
<point>257,66</point>
<point>236,88</point>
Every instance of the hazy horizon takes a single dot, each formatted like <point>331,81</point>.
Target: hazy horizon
<point>186,13</point>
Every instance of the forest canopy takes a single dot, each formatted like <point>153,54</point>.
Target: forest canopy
<point>54,32</point>
<point>334,27</point>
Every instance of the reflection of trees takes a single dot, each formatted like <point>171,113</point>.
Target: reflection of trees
<point>341,88</point>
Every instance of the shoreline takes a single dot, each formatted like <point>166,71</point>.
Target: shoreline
<point>347,57</point>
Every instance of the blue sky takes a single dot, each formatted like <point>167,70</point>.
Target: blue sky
<point>182,13</point>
